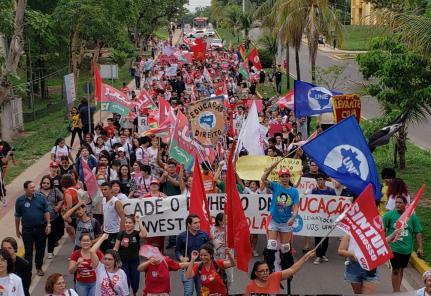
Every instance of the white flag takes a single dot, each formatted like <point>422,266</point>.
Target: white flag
<point>250,137</point>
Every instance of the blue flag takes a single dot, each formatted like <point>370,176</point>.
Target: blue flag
<point>312,99</point>
<point>342,153</point>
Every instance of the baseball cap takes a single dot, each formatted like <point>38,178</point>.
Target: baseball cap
<point>53,164</point>
<point>121,149</point>
<point>155,181</point>
<point>283,172</point>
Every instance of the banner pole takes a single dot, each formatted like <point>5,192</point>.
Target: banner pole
<point>323,238</point>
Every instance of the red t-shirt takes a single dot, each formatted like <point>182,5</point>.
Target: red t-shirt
<point>110,130</point>
<point>211,281</point>
<point>85,272</point>
<point>272,286</point>
<point>157,276</point>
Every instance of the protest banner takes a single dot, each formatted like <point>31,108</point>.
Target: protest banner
<point>346,105</point>
<point>207,120</point>
<point>171,71</point>
<point>316,215</point>
<point>70,89</point>
<point>365,227</point>
<point>115,101</point>
<point>143,124</point>
<point>252,167</point>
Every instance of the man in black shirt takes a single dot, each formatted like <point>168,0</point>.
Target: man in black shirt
<point>22,267</point>
<point>278,76</point>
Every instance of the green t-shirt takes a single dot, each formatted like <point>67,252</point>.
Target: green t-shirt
<point>405,244</point>
<point>222,187</point>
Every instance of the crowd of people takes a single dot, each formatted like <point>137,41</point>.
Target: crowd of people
<point>106,258</point>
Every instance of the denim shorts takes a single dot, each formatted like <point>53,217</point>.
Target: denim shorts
<point>355,274</point>
<point>280,227</point>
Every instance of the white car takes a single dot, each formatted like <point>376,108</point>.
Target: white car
<point>197,34</point>
<point>216,43</point>
<point>210,33</point>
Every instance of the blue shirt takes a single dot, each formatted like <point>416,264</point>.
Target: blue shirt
<point>327,191</point>
<point>31,211</point>
<point>194,243</point>
<point>282,201</point>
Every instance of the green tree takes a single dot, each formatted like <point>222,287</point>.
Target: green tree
<point>293,17</point>
<point>403,83</point>
<point>268,41</point>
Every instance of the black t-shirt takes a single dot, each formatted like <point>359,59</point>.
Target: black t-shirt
<point>129,245</point>
<point>277,76</point>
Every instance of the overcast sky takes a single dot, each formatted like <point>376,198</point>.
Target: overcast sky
<point>193,4</point>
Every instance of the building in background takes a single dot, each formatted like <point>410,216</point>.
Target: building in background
<point>362,13</point>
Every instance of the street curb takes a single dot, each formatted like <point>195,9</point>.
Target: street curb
<point>420,265</point>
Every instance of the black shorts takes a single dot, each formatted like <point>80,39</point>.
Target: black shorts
<point>400,260</point>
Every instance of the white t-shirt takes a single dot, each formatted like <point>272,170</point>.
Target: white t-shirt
<point>68,292</point>
<point>110,216</point>
<point>118,281</point>
<point>121,196</point>
<point>60,151</point>
<point>11,285</point>
<point>422,292</point>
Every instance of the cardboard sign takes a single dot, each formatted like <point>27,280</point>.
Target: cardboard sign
<point>252,167</point>
<point>346,105</point>
<point>207,120</point>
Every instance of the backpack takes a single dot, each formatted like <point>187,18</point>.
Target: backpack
<point>220,271</point>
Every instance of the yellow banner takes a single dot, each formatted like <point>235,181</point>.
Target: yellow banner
<point>252,167</point>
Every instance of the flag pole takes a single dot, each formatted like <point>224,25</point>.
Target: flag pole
<point>323,238</point>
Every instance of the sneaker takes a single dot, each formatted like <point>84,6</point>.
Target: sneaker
<point>317,260</point>
<point>40,272</point>
<point>255,253</point>
<point>50,255</point>
<point>325,259</point>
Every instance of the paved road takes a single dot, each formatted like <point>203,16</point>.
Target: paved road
<point>326,278</point>
<point>419,134</point>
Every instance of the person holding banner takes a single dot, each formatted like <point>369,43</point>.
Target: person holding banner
<point>324,190</point>
<point>284,209</point>
<point>403,247</point>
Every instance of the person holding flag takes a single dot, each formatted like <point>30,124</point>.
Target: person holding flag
<point>284,209</point>
<point>403,247</point>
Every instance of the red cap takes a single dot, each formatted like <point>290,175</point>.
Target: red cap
<point>283,172</point>
<point>53,164</point>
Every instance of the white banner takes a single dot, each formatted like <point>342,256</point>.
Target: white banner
<point>316,217</point>
<point>143,124</point>
<point>69,86</point>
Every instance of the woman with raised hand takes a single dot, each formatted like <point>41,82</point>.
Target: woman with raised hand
<point>128,244</point>
<point>81,266</point>
<point>110,278</point>
<point>265,282</point>
<point>210,272</point>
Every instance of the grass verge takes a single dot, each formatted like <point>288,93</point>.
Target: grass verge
<point>229,37</point>
<point>417,172</point>
<point>358,37</point>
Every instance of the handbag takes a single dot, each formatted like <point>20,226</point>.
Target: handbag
<point>110,282</point>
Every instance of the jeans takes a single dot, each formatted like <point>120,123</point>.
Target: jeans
<point>278,86</point>
<point>190,284</point>
<point>85,289</point>
<point>57,232</point>
<point>321,250</point>
<point>130,267</point>
<point>34,236</point>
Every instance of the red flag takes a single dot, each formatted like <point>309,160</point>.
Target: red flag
<point>164,109</point>
<point>254,58</point>
<point>367,234</point>
<point>145,100</point>
<point>97,82</point>
<point>89,180</point>
<point>199,50</point>
<point>230,130</point>
<point>238,232</point>
<point>198,199</point>
<point>402,221</point>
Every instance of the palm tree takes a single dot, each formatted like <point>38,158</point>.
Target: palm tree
<point>269,42</point>
<point>233,19</point>
<point>293,17</point>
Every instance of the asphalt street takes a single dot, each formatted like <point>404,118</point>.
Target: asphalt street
<point>326,278</point>
<point>420,134</point>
